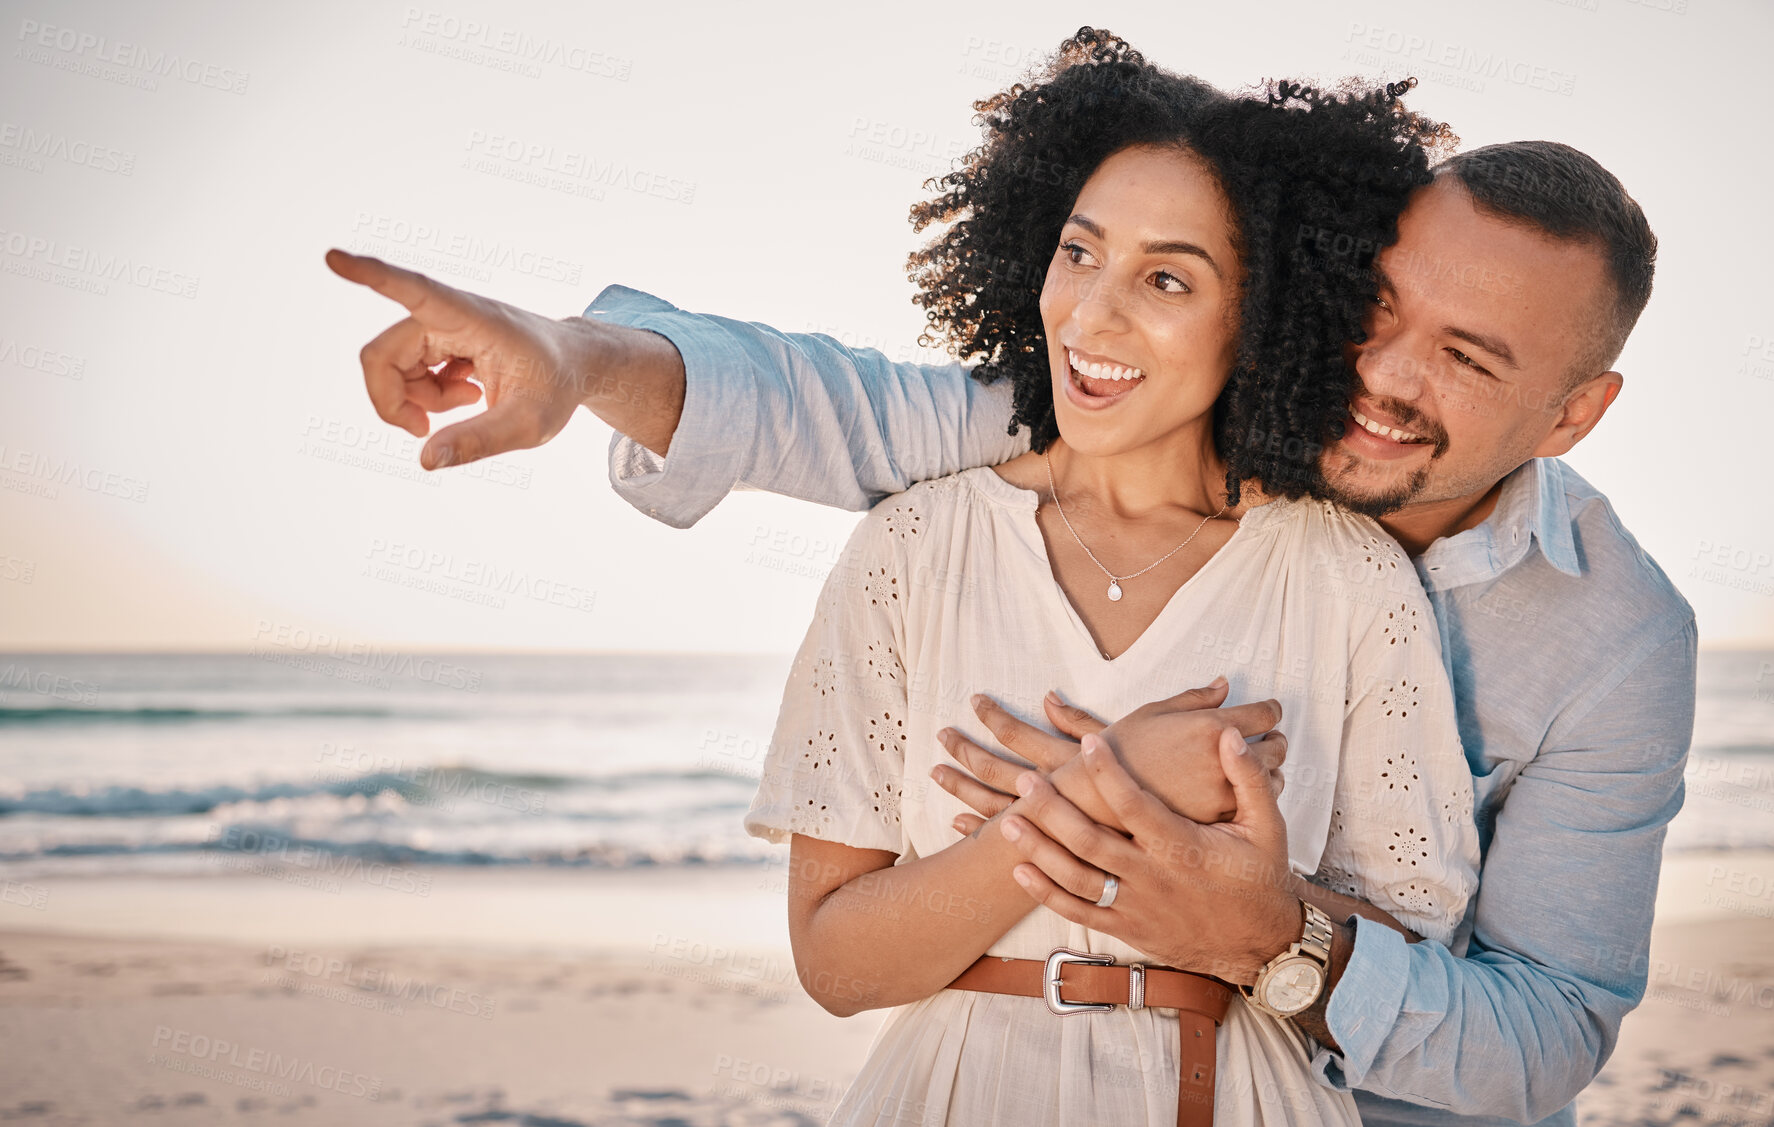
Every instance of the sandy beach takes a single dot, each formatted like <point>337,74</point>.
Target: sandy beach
<point>554,998</point>
<point>541,998</point>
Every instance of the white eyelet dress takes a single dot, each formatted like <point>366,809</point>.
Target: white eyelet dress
<point>946,590</point>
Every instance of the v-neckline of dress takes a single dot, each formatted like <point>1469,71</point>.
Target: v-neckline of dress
<point>1029,503</point>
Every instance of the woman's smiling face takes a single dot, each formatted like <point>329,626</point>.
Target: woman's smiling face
<point>1140,304</point>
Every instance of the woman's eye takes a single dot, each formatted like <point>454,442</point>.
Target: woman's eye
<point>1170,283</point>
<point>1075,254</point>
<point>1380,302</point>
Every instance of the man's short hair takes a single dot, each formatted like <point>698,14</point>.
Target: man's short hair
<point>1568,195</point>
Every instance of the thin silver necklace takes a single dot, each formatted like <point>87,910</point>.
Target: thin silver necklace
<point>1115,580</point>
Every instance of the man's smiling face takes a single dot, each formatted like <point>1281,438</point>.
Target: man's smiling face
<point>1478,355</point>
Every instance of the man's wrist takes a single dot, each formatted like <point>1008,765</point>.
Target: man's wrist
<point>1287,915</point>
<point>633,379</point>
<point>1315,1019</point>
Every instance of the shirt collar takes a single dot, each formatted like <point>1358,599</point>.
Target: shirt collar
<point>1532,508</point>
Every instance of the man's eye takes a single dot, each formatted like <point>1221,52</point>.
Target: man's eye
<point>1381,302</point>
<point>1462,358</point>
<point>1170,283</point>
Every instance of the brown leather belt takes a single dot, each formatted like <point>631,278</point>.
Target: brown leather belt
<point>1074,982</point>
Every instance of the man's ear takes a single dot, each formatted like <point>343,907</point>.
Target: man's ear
<point>1582,409</point>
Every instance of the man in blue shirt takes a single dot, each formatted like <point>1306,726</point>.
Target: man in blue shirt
<point>1515,280</point>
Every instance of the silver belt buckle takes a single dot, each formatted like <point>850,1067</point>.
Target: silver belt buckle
<point>1060,957</point>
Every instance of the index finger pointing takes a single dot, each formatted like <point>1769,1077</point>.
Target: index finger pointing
<point>439,303</point>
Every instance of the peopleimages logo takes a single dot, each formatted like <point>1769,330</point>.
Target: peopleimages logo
<point>431,30</point>
<point>445,573</point>
<point>259,849</point>
<point>92,266</point>
<point>257,1064</point>
<point>423,238</point>
<point>292,966</point>
<point>15,677</point>
<point>46,360</point>
<point>29,468</point>
<point>1453,63</point>
<point>104,57</point>
<point>276,638</point>
<point>34,146</point>
<point>557,167</point>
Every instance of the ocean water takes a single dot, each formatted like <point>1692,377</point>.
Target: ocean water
<point>193,763</point>
<point>171,763</point>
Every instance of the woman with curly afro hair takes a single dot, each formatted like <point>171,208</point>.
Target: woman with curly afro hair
<point>1170,277</point>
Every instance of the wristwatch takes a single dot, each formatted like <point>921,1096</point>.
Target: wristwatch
<point>1294,979</point>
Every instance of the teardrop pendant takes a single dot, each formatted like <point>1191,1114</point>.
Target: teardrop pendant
<point>1114,591</point>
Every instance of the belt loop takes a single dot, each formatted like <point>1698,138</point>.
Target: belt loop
<point>1136,986</point>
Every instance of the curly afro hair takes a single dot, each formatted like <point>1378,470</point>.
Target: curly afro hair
<point>1316,180</point>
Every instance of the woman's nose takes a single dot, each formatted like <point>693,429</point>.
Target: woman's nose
<point>1101,304</point>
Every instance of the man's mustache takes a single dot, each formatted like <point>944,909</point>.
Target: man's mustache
<point>1409,418</point>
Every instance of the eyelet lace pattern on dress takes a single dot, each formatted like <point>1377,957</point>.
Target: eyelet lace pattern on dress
<point>1408,846</point>
<point>1402,624</point>
<point>887,795</point>
<point>822,752</point>
<point>1413,897</point>
<point>810,817</point>
<point>882,661</point>
<point>882,589</point>
<point>887,734</point>
<point>1399,772</point>
<point>1400,700</point>
<point>1379,555</point>
<point>904,522</point>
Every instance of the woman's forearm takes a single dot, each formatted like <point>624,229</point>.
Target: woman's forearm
<point>901,933</point>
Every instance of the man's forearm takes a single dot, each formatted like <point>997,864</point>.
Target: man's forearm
<point>796,414</point>
<point>632,379</point>
<point>1339,908</point>
<point>1560,932</point>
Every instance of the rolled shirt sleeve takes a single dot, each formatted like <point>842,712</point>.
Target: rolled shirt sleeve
<point>799,414</point>
<point>1561,927</point>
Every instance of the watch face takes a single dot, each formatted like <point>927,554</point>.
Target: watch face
<point>1293,986</point>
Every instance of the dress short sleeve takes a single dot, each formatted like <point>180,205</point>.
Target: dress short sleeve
<point>836,765</point>
<point>1402,835</point>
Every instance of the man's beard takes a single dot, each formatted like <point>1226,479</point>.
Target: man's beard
<point>1374,505</point>
<point>1397,497</point>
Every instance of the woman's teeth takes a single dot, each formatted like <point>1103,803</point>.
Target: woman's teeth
<point>1393,433</point>
<point>1102,371</point>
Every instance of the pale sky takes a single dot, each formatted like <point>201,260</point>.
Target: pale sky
<point>187,458</point>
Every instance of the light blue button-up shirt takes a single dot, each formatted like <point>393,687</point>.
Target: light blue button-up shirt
<point>1572,658</point>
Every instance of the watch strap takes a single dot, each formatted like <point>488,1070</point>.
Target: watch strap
<point>1316,939</point>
